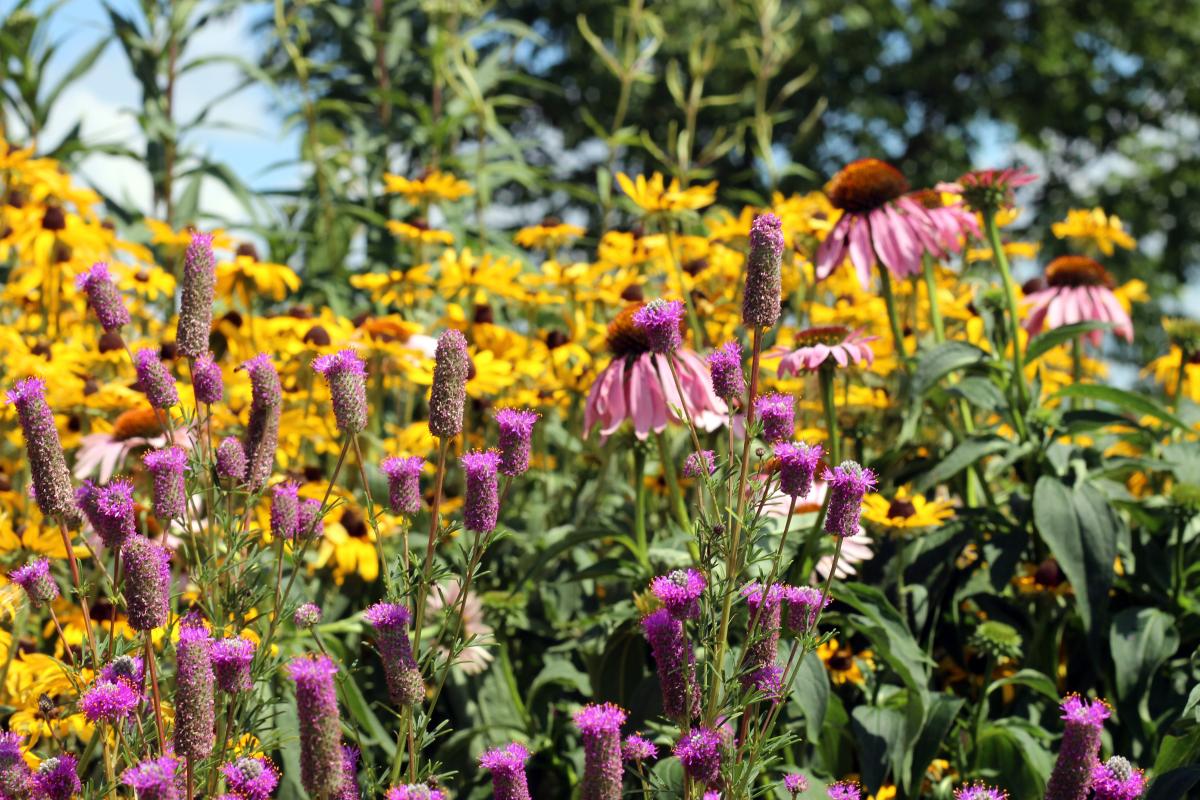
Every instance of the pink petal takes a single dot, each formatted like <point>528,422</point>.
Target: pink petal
<point>860,252</point>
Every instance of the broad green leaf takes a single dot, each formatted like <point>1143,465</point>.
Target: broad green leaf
<point>979,392</point>
<point>1019,762</point>
<point>1132,402</point>
<point>941,361</point>
<point>1175,784</point>
<point>1044,343</point>
<point>810,695</point>
<point>1029,678</point>
<point>880,622</point>
<point>943,709</point>
<point>961,457</point>
<point>1142,639</point>
<point>880,736</point>
<point>1176,751</point>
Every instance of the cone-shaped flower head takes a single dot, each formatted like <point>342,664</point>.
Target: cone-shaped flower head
<point>390,621</point>
<point>57,778</point>
<point>844,790</point>
<point>349,790</point>
<point>448,395</point>
<point>802,604</point>
<point>47,465</point>
<point>109,702</point>
<point>1117,779</point>
<point>507,765</point>
<point>778,415</point>
<point>321,769</point>
<point>600,725</point>
<point>661,321</point>
<point>196,299</point>
<point>111,510</point>
<point>251,777</point>
<point>638,748</point>
<point>154,380</point>
<point>404,483</point>
<point>415,791</point>
<point>679,591</point>
<point>36,580</point>
<point>310,522</point>
<point>103,297</point>
<point>481,505</point>
<point>307,616</point>
<point>979,791</point>
<point>699,751</point>
<point>675,662</point>
<point>797,466</point>
<point>725,364</point>
<point>285,510</point>
<point>195,694</point>
<point>702,462</point>
<point>231,460</point>
<point>516,435</point>
<point>795,783</point>
<point>764,283</point>
<point>848,483</point>
<point>231,659</point>
<point>763,625</point>
<point>346,375</point>
<point>154,778</point>
<point>16,779</point>
<point>1072,774</point>
<point>262,432</point>
<point>167,466</point>
<point>207,382</point>
<point>147,583</point>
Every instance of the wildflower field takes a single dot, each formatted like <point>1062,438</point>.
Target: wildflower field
<point>735,478</point>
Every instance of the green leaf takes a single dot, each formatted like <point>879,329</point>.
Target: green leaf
<point>560,672</point>
<point>1175,784</point>
<point>810,695</point>
<point>1139,404</point>
<point>943,709</point>
<point>1142,640</point>
<point>1176,751</point>
<point>1020,763</point>
<point>1044,343</point>
<point>979,392</point>
<point>961,457</point>
<point>1029,678</point>
<point>880,736</point>
<point>880,622</point>
<point>941,361</point>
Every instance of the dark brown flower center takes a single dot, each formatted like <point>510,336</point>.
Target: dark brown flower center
<point>901,508</point>
<point>865,185</point>
<point>841,661</point>
<point>1048,574</point>
<point>1077,271</point>
<point>927,198</point>
<point>141,423</point>
<point>624,337</point>
<point>827,335</point>
<point>354,523</point>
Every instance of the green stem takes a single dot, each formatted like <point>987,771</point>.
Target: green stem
<point>829,402</point>
<point>639,505</point>
<point>668,466</point>
<point>889,299</point>
<point>981,708</point>
<point>1076,366</point>
<point>935,311</point>
<point>1179,379</point>
<point>693,319</point>
<point>1010,299</point>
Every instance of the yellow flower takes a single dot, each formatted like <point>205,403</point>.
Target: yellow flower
<point>549,234</point>
<point>653,197</point>
<point>887,792</point>
<point>906,511</point>
<point>433,185</point>
<point>1011,249</point>
<point>248,274</point>
<point>162,233</point>
<point>419,232</point>
<point>1165,370</point>
<point>463,275</point>
<point>843,663</point>
<point>1095,226</point>
<point>348,546</point>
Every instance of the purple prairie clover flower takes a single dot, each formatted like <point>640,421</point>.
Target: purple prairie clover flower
<point>415,791</point>
<point>762,636</point>
<point>47,465</point>
<point>262,432</point>
<point>448,394</point>
<point>167,466</point>
<point>130,670</point>
<point>516,433</point>
<point>231,460</point>
<point>679,591</point>
<point>638,748</point>
<point>844,790</point>
<point>154,380</point>
<point>154,778</point>
<point>675,662</point>
<point>310,522</point>
<point>661,321</point>
<point>307,616</point>
<point>803,603</point>
<point>405,685</point>
<point>712,794</point>
<point>507,765</point>
<point>57,777</point>
<point>701,462</point>
<point>764,282</point>
<point>795,783</point>
<point>195,693</point>
<point>600,725</point>
<point>196,299</point>
<point>725,365</point>
<point>1117,779</point>
<point>797,466</point>
<point>36,580</point>
<point>112,512</point>
<point>147,583</point>
<point>848,484</point>
<point>285,510</point>
<point>251,777</point>
<point>481,504</point>
<point>103,297</point>
<point>404,483</point>
<point>699,751</point>
<point>346,375</point>
<point>207,382</point>
<point>978,791</point>
<point>1072,773</point>
<point>778,415</point>
<point>349,790</point>
<point>231,658</point>
<point>320,725</point>
<point>16,779</point>
<point>109,702</point>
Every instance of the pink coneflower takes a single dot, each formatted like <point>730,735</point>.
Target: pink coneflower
<point>637,386</point>
<point>987,190</point>
<point>475,657</point>
<point>1077,289</point>
<point>881,223</point>
<point>816,346</point>
<point>132,430</point>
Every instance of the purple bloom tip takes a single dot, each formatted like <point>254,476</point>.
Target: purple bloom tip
<point>598,718</point>
<point>388,615</point>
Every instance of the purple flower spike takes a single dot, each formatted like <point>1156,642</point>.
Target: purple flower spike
<point>679,591</point>
<point>406,687</point>
<point>307,616</point>
<point>130,670</point>
<point>507,765</point>
<point>103,297</point>
<point>676,664</point>
<point>795,783</point>
<point>481,505</point>
<point>1072,774</point>
<point>320,725</point>
<point>516,434</point>
<point>415,791</point>
<point>37,582</point>
<point>660,320</point>
<point>195,694</point>
<point>703,462</point>
<point>310,522</point>
<point>763,673</point>
<point>155,778</point>
<point>638,748</point>
<point>147,583</point>
<point>978,791</point>
<point>231,659</point>
<point>699,751</point>
<point>47,465</point>
<point>797,466</point>
<point>803,603</point>
<point>196,299</point>
<point>764,283</point>
<point>112,511</point>
<point>404,483</point>
<point>109,702</point>
<point>285,510</point>
<point>778,415</point>
<point>167,466</point>
<point>207,382</point>
<point>848,484</point>
<point>844,790</point>
<point>16,779</point>
<point>600,725</point>
<point>262,432</point>
<point>57,777</point>
<point>1117,779</point>
<point>448,394</point>
<point>725,364</point>
<point>346,375</point>
<point>350,789</point>
<point>231,460</point>
<point>251,777</point>
<point>154,380</point>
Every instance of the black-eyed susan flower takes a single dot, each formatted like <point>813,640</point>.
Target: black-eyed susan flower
<point>1094,226</point>
<point>432,185</point>
<point>655,196</point>
<point>906,511</point>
